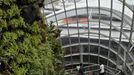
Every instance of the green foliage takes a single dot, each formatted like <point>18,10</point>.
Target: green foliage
<point>1,13</point>
<point>3,23</point>
<point>14,11</point>
<point>27,48</point>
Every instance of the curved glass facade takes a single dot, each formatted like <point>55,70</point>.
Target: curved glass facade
<point>95,32</point>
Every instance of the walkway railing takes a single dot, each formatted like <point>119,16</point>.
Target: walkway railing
<point>94,70</point>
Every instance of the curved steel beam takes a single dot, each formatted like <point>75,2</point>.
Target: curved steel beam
<point>74,54</point>
<point>116,28</point>
<point>105,47</point>
<point>92,55</point>
<point>117,13</point>
<point>122,48</point>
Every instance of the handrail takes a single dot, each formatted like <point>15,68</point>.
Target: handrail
<point>108,69</point>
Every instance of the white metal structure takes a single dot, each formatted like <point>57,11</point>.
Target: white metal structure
<point>95,32</point>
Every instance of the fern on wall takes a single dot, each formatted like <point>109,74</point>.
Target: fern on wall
<point>27,45</point>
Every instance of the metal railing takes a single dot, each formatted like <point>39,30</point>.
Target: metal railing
<point>94,70</point>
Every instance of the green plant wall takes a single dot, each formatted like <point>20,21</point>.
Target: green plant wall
<point>27,45</point>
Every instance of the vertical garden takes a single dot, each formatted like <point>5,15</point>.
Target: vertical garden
<point>27,45</point>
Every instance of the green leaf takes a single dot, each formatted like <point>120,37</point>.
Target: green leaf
<point>3,23</point>
<point>1,13</point>
<point>13,11</point>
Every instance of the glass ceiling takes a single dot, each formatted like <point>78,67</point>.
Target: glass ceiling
<point>95,32</point>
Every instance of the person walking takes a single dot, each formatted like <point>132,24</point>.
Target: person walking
<point>102,70</point>
<point>81,70</point>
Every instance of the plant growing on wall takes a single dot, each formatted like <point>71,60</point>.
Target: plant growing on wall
<point>27,45</point>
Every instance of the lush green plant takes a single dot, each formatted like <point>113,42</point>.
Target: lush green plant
<point>27,45</point>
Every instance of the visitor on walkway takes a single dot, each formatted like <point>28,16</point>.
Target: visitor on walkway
<point>81,70</point>
<point>102,71</point>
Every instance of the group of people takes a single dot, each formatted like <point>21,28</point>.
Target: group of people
<point>81,70</point>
